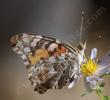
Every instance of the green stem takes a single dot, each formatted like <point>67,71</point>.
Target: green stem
<point>100,95</point>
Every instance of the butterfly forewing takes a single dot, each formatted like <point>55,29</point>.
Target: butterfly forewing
<point>51,64</point>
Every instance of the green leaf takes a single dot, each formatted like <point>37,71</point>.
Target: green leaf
<point>102,85</point>
<point>106,97</point>
<point>99,91</point>
<point>106,75</point>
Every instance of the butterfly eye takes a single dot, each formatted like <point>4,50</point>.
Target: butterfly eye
<point>82,46</point>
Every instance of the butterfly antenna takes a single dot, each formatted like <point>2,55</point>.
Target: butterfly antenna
<point>81,25</point>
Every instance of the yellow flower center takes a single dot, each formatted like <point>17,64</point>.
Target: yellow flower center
<point>88,68</point>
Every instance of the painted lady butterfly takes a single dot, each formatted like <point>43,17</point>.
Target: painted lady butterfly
<point>50,63</point>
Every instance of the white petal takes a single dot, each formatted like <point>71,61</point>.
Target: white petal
<point>93,53</point>
<point>105,61</point>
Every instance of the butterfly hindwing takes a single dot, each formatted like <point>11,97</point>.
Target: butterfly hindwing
<point>51,64</point>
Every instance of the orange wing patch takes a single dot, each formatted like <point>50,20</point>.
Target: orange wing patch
<point>61,50</point>
<point>40,53</point>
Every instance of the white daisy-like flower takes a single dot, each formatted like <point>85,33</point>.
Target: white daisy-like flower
<point>93,71</point>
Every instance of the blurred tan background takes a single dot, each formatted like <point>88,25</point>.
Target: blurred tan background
<point>55,18</point>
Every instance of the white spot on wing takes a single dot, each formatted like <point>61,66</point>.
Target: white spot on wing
<point>52,47</point>
<point>27,49</point>
<point>15,49</point>
<point>71,85</point>
<point>26,63</point>
<point>33,44</point>
<point>23,57</point>
<point>40,37</point>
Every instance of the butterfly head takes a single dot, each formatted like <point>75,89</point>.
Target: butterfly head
<point>81,48</point>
